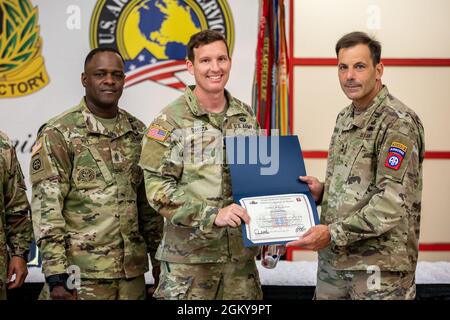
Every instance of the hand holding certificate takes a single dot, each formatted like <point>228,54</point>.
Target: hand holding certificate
<point>277,218</point>
<point>280,207</point>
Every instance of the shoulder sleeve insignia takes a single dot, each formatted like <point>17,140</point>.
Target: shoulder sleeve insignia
<point>396,154</point>
<point>36,165</point>
<point>157,133</point>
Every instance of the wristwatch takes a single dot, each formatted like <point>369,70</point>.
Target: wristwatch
<point>57,280</point>
<point>23,255</point>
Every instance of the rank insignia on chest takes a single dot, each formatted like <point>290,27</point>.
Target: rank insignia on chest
<point>157,133</point>
<point>86,175</point>
<point>396,154</point>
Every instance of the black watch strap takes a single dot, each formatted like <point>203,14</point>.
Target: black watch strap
<point>57,280</point>
<point>23,255</point>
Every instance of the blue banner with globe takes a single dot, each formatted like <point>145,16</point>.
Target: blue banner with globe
<point>152,35</point>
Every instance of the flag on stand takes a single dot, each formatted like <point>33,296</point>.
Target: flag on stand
<point>271,80</point>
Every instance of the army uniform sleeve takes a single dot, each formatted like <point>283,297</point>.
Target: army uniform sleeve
<point>150,224</point>
<point>19,232</point>
<point>161,160</point>
<point>397,177</point>
<point>50,171</point>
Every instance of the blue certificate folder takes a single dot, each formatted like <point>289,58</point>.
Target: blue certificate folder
<point>264,166</point>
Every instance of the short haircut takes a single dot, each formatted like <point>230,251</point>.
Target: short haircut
<point>354,38</point>
<point>93,52</point>
<point>204,37</point>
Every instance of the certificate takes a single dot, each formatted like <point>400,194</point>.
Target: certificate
<point>277,218</point>
<point>264,180</point>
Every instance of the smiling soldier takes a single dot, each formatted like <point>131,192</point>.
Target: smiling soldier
<point>89,206</point>
<point>188,182</point>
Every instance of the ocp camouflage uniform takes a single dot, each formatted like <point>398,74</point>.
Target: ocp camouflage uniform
<point>372,203</point>
<point>89,204</point>
<point>16,232</point>
<point>187,181</point>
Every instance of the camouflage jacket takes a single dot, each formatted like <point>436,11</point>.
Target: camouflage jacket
<point>187,181</point>
<point>373,187</point>
<point>16,232</point>
<point>89,204</point>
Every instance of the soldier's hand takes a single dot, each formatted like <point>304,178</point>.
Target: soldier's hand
<point>18,266</point>
<point>60,293</point>
<point>315,187</point>
<point>316,238</point>
<point>232,216</point>
<point>155,273</point>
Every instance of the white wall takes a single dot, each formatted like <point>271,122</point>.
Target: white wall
<point>406,29</point>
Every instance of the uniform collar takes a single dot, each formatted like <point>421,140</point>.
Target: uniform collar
<point>93,125</point>
<point>234,107</point>
<point>362,119</point>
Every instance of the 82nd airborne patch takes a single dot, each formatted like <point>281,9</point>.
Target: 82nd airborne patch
<point>396,154</point>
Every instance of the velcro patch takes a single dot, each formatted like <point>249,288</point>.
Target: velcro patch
<point>157,133</point>
<point>396,154</point>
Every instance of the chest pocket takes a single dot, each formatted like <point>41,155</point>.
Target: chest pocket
<point>203,146</point>
<point>90,170</point>
<point>345,152</point>
<point>362,172</point>
<point>358,166</point>
<point>203,159</point>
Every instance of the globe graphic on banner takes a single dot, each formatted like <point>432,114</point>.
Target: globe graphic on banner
<point>152,35</point>
<point>158,31</point>
<point>161,28</point>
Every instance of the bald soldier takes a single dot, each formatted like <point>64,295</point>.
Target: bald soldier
<point>90,211</point>
<point>371,198</point>
<point>188,182</point>
<point>16,232</point>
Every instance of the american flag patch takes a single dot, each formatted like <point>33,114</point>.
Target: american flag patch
<point>157,133</point>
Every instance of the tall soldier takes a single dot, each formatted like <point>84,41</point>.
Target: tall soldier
<point>188,182</point>
<point>16,232</point>
<point>373,186</point>
<point>89,203</point>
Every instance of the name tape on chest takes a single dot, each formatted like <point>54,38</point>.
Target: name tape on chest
<point>396,154</point>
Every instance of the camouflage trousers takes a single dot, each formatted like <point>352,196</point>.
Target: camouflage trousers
<point>335,284</point>
<point>3,286</point>
<point>106,289</point>
<point>209,281</point>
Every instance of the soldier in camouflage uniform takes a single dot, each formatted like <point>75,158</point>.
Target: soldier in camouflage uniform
<point>369,231</point>
<point>188,182</point>
<point>16,232</point>
<point>89,203</point>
